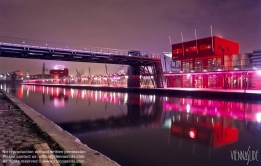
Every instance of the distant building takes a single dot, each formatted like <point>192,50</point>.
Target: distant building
<point>59,71</point>
<point>40,76</point>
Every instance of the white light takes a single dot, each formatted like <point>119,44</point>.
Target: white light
<point>188,108</point>
<point>258,72</point>
<point>258,117</point>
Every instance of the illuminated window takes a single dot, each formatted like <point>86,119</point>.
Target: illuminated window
<point>178,51</point>
<point>189,49</point>
<point>205,47</point>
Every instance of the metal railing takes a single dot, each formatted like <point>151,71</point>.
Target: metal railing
<point>69,47</point>
<point>242,64</point>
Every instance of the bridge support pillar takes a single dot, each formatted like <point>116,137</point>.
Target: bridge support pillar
<point>134,77</point>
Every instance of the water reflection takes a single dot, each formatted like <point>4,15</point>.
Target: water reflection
<point>112,122</point>
<point>209,130</point>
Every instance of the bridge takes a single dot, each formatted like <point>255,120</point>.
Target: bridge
<point>141,63</point>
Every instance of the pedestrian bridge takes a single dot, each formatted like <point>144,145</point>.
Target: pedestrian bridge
<point>141,63</point>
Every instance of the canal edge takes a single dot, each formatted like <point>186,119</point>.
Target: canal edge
<point>67,141</point>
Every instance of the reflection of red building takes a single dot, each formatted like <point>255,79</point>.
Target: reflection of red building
<point>211,63</point>
<point>59,73</point>
<point>212,131</point>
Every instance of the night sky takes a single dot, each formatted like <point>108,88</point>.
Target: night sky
<point>129,25</point>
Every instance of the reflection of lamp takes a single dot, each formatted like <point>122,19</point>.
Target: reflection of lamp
<point>58,103</point>
<point>258,117</point>
<point>192,133</point>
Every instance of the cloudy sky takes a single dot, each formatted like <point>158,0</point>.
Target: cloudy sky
<point>129,25</point>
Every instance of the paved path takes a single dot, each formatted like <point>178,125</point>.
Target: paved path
<point>17,130</point>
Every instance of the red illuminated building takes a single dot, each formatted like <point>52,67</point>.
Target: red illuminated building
<point>59,72</point>
<point>200,54</point>
<point>211,62</point>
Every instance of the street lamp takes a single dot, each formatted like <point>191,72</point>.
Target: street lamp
<point>223,56</point>
<point>245,81</point>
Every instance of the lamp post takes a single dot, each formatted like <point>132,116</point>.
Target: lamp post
<point>223,57</point>
<point>245,81</point>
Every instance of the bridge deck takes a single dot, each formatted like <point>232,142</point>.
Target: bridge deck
<point>93,55</point>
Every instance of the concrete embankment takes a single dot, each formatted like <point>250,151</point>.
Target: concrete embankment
<point>229,94</point>
<point>65,140</point>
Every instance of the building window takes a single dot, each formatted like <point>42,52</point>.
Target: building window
<point>178,51</point>
<point>189,49</point>
<point>205,47</point>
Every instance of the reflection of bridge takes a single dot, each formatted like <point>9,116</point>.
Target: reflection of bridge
<point>142,64</point>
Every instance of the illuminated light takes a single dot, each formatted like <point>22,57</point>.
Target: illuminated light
<point>46,44</point>
<point>192,133</point>
<point>255,68</point>
<point>188,75</point>
<point>258,117</point>
<point>188,108</point>
<point>181,71</point>
<point>258,72</point>
<point>23,42</point>
<point>204,70</point>
<point>59,67</point>
<point>192,71</point>
<point>219,70</point>
<point>236,68</point>
<point>167,123</point>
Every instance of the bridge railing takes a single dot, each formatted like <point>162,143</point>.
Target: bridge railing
<point>68,47</point>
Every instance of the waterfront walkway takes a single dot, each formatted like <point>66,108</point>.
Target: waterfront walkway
<point>18,132</point>
<point>239,94</point>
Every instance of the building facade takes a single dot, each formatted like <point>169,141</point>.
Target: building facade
<point>212,62</point>
<point>59,73</point>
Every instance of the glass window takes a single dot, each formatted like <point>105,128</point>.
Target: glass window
<point>178,51</point>
<point>189,49</point>
<point>205,47</point>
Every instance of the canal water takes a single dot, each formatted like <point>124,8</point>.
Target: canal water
<point>139,130</point>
